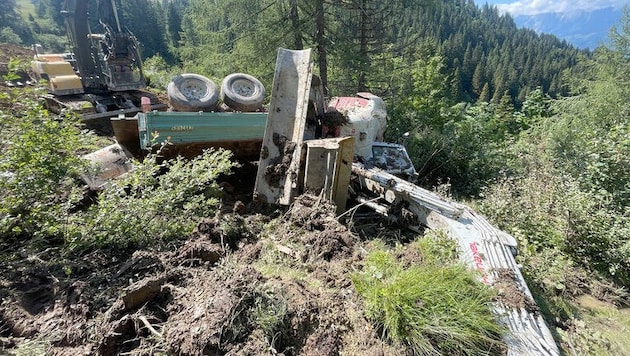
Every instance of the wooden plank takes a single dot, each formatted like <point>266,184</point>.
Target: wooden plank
<point>277,179</point>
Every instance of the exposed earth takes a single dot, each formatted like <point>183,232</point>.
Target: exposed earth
<point>240,285</point>
<point>11,52</point>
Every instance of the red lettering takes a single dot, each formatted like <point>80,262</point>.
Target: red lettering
<point>479,263</point>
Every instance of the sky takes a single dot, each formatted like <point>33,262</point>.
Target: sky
<point>566,7</point>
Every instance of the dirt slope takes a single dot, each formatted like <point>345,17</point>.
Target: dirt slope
<point>241,285</point>
<point>10,52</point>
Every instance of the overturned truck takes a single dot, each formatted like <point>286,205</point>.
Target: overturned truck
<point>336,151</point>
<point>381,178</point>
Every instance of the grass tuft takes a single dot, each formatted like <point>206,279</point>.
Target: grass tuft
<point>429,308</point>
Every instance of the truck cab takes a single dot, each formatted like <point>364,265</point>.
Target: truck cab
<point>366,121</point>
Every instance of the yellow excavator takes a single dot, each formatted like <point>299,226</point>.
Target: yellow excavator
<point>102,76</point>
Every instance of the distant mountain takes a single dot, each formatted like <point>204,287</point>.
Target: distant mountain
<point>583,29</point>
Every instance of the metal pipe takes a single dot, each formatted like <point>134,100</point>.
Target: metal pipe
<point>116,16</point>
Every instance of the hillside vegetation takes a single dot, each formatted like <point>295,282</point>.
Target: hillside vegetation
<point>532,132</point>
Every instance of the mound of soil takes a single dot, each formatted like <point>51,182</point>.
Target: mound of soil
<point>10,52</point>
<point>240,285</point>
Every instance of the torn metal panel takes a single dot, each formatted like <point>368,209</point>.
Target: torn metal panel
<point>277,179</point>
<point>107,163</point>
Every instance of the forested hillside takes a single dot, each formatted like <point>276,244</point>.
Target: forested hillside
<point>531,131</point>
<point>359,45</point>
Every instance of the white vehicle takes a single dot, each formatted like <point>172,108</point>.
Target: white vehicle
<point>375,171</point>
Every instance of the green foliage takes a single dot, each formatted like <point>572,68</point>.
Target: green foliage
<point>584,340</point>
<point>154,203</point>
<point>229,36</point>
<point>158,73</point>
<point>38,164</point>
<point>14,29</point>
<point>51,42</point>
<point>433,308</point>
<point>620,34</point>
<point>7,35</point>
<point>463,146</point>
<point>146,19</point>
<point>569,202</point>
<point>437,248</point>
<point>269,312</point>
<point>536,209</point>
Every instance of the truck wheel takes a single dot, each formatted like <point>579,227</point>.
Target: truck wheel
<point>242,92</point>
<point>192,92</point>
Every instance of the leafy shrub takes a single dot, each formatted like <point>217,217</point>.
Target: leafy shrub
<point>460,149</point>
<point>158,72</point>
<point>584,340</point>
<point>569,236</point>
<point>7,35</point>
<point>39,164</point>
<point>432,308</point>
<point>149,206</point>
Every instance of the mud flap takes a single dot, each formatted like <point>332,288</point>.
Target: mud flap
<point>278,176</point>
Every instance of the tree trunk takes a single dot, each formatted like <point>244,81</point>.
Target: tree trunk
<point>295,23</point>
<point>321,44</point>
<point>363,45</point>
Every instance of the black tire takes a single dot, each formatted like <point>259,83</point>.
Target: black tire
<point>242,92</point>
<point>192,92</point>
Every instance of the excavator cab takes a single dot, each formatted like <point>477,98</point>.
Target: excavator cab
<point>122,61</point>
<point>108,61</point>
<point>100,63</point>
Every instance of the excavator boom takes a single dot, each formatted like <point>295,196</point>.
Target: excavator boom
<point>108,61</point>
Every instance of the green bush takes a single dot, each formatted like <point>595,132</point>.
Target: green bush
<point>147,206</point>
<point>158,72</point>
<point>566,231</point>
<point>432,308</point>
<point>7,35</point>
<point>39,164</point>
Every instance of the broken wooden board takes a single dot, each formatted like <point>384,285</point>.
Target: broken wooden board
<point>277,179</point>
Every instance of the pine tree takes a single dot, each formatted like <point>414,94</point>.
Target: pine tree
<point>478,80</point>
<point>484,96</point>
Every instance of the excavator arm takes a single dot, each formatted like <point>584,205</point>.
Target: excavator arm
<point>109,61</point>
